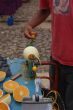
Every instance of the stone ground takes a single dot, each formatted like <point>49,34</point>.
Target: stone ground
<point>12,42</point>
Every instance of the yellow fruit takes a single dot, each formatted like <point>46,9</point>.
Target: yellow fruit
<point>10,85</point>
<point>1,93</point>
<point>6,99</point>
<point>20,92</point>
<point>4,106</point>
<point>34,68</point>
<point>2,75</point>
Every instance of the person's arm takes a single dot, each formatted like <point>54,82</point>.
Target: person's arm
<point>35,21</point>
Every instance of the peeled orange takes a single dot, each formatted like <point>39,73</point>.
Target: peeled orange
<point>31,52</point>
<point>6,99</point>
<point>20,92</point>
<point>2,75</point>
<point>34,68</point>
<point>10,85</point>
<point>4,106</point>
<point>1,93</point>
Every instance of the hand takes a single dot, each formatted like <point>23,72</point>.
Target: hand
<point>28,32</point>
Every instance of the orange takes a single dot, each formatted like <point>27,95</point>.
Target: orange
<point>20,92</point>
<point>2,75</point>
<point>10,85</point>
<point>6,99</point>
<point>1,93</point>
<point>34,68</point>
<point>4,106</point>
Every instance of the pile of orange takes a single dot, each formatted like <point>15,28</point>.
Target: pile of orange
<point>19,92</point>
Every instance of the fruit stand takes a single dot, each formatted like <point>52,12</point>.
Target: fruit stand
<point>15,66</point>
<point>13,103</point>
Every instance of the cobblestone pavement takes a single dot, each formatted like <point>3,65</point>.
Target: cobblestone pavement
<point>12,41</point>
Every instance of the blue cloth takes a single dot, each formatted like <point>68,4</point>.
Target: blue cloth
<point>16,67</point>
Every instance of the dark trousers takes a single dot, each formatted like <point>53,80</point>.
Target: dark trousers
<point>65,83</point>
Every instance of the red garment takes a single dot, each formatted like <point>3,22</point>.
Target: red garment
<point>43,4</point>
<point>62,29</point>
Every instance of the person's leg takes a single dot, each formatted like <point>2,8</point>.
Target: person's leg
<point>60,82</point>
<point>66,85</point>
<point>69,87</point>
<point>52,72</point>
<point>61,78</point>
<point>52,76</point>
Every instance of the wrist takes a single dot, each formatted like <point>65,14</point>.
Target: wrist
<point>31,24</point>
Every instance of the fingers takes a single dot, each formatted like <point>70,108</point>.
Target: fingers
<point>28,32</point>
<point>27,35</point>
